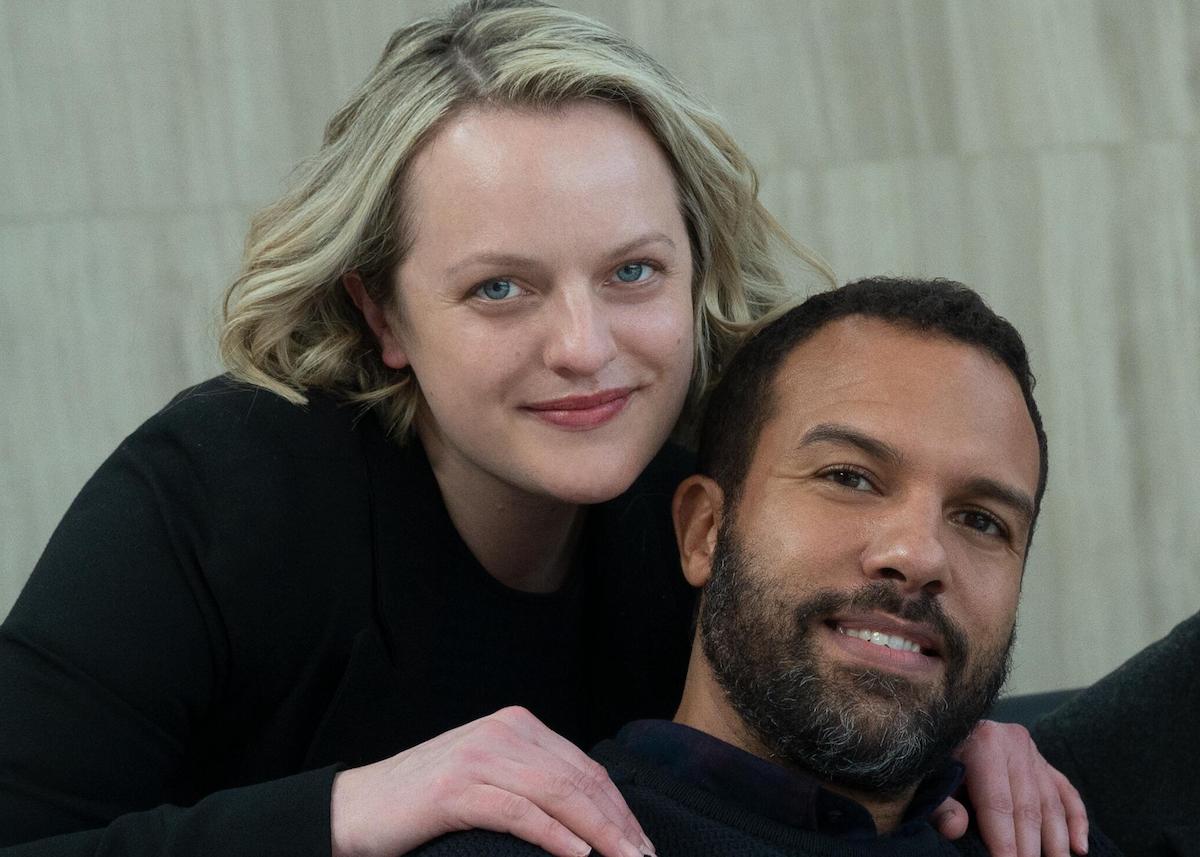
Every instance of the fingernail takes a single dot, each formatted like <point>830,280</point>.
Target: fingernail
<point>628,849</point>
<point>648,848</point>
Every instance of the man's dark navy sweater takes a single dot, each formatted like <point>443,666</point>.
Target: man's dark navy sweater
<point>696,795</point>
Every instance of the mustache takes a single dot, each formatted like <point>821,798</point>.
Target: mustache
<point>885,597</point>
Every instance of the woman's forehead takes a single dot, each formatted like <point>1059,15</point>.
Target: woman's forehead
<point>588,173</point>
<point>573,144</point>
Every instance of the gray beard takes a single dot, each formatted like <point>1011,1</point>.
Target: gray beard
<point>863,729</point>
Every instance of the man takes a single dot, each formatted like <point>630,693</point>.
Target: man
<point>871,468</point>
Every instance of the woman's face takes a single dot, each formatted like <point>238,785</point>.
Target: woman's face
<point>545,304</point>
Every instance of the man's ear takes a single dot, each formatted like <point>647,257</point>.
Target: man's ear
<point>390,347</point>
<point>696,510</point>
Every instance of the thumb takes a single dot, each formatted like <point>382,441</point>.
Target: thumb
<point>950,818</point>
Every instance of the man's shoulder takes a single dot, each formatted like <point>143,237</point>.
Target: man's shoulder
<point>477,843</point>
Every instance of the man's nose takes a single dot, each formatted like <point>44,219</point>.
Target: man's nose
<point>579,337</point>
<point>908,547</point>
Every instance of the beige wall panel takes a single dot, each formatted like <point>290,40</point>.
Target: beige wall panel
<point>1046,152</point>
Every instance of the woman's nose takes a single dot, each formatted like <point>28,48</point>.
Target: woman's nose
<point>580,337</point>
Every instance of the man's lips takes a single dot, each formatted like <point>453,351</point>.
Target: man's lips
<point>884,642</point>
<point>889,631</point>
<point>582,412</point>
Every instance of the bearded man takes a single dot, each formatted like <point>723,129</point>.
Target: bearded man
<point>871,468</point>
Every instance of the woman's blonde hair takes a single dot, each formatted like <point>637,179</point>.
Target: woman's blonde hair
<point>289,324</point>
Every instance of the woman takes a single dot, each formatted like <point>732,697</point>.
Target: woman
<point>519,256</point>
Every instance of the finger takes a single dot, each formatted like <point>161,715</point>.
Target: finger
<point>951,818</point>
<point>1027,806</point>
<point>1055,838</point>
<point>1077,820</point>
<point>1003,784</point>
<point>597,784</point>
<point>515,752</point>
<point>991,795</point>
<point>490,808</point>
<point>568,795</point>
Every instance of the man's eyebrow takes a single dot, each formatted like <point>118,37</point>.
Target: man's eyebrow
<point>835,433</point>
<point>1014,498</point>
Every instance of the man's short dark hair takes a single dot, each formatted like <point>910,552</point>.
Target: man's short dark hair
<point>744,399</point>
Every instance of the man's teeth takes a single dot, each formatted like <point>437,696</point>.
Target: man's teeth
<point>888,640</point>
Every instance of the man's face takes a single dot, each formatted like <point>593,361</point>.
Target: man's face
<point>862,595</point>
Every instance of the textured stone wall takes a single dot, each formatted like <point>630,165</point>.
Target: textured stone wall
<point>1046,152</point>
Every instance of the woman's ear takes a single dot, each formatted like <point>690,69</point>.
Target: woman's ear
<point>696,510</point>
<point>390,347</point>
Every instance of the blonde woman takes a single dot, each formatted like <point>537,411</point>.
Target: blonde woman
<point>433,488</point>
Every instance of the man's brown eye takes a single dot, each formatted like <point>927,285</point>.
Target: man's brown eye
<point>850,479</point>
<point>984,523</point>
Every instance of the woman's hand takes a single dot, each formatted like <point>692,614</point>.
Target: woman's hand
<point>1024,807</point>
<point>505,772</point>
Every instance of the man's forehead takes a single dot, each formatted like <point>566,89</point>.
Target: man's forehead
<point>859,356</point>
<point>899,383</point>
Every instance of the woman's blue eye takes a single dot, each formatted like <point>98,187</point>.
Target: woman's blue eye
<point>496,290</point>
<point>633,272</point>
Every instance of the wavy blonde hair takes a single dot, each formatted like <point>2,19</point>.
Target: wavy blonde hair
<point>289,324</point>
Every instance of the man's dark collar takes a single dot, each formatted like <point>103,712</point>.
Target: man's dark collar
<point>782,794</point>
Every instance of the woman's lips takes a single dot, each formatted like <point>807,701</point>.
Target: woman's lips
<point>582,412</point>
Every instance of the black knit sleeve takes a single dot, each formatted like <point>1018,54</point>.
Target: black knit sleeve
<point>280,818</point>
<point>113,663</point>
<point>1131,745</point>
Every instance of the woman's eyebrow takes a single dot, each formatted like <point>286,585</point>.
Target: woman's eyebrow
<point>517,262</point>
<point>641,241</point>
<point>509,261</point>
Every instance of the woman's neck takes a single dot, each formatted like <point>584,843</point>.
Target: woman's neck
<point>525,541</point>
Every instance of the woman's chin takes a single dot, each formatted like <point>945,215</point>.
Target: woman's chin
<point>588,486</point>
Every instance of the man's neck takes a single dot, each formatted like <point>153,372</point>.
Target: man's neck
<point>888,812</point>
<point>704,707</point>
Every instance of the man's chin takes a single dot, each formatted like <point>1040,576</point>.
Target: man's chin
<point>867,730</point>
<point>891,695</point>
<point>881,720</point>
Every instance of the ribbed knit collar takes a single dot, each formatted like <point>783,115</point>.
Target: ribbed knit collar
<point>785,795</point>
